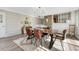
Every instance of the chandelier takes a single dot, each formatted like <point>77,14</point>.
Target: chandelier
<point>39,12</point>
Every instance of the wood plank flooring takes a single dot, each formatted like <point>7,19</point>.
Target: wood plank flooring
<point>7,44</point>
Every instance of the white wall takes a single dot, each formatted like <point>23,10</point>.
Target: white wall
<point>34,21</point>
<point>60,26</point>
<point>16,21</point>
<point>73,18</point>
<point>13,23</point>
<point>75,21</point>
<point>77,25</point>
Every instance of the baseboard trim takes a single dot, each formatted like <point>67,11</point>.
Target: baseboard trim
<point>10,36</point>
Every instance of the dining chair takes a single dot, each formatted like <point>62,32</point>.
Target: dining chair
<point>38,37</point>
<point>29,33</point>
<point>46,36</point>
<point>62,37</point>
<point>46,32</point>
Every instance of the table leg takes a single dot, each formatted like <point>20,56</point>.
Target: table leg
<point>51,42</point>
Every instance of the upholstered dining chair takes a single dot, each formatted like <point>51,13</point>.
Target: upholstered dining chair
<point>46,36</point>
<point>61,37</point>
<point>29,33</point>
<point>38,37</point>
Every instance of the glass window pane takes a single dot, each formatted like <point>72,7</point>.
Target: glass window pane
<point>1,19</point>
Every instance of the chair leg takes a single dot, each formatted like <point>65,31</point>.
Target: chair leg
<point>38,42</point>
<point>31,41</point>
<point>62,45</point>
<point>35,42</point>
<point>41,42</point>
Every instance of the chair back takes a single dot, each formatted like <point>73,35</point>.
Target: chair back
<point>37,33</point>
<point>29,31</point>
<point>46,30</point>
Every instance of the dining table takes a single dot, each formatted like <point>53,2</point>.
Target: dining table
<point>49,32</point>
<point>52,34</point>
<point>52,41</point>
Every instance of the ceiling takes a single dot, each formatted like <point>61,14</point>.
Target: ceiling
<point>42,11</point>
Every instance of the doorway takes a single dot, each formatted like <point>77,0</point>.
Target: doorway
<point>2,25</point>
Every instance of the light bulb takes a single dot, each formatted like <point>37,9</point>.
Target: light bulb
<point>46,20</point>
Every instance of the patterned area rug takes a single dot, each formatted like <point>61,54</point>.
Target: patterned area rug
<point>27,46</point>
<point>68,45</point>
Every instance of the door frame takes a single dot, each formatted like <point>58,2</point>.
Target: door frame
<point>4,22</point>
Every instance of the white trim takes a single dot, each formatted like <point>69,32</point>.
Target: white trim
<point>4,23</point>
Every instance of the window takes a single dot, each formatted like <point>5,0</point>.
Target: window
<point>63,17</point>
<point>1,19</point>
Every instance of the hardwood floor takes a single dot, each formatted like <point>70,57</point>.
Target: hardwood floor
<point>7,44</point>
